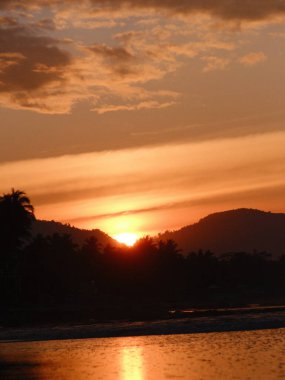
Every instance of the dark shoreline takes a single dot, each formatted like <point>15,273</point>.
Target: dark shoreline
<point>195,322</point>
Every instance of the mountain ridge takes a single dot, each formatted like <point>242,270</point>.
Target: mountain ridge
<point>236,230</point>
<point>78,235</point>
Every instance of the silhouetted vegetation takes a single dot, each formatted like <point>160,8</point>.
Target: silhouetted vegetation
<point>54,272</point>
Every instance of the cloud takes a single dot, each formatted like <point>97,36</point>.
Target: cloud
<point>121,61</point>
<point>235,9</point>
<point>9,59</point>
<point>50,74</point>
<point>227,10</point>
<point>150,104</point>
<point>253,58</point>
<point>97,184</point>
<point>122,71</point>
<point>222,198</point>
<point>37,61</point>
<point>32,69</point>
<point>215,63</point>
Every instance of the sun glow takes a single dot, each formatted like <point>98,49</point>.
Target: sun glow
<point>127,238</point>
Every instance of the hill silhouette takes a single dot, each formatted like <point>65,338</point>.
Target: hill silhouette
<point>241,230</point>
<point>43,271</point>
<point>78,236</point>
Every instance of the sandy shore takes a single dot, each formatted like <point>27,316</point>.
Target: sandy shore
<point>253,320</point>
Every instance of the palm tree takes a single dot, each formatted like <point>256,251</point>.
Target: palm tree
<point>16,216</point>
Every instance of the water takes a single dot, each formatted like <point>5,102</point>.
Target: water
<point>229,355</point>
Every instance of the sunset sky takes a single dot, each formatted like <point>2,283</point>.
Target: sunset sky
<point>142,115</point>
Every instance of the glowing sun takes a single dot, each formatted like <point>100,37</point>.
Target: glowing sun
<point>127,238</point>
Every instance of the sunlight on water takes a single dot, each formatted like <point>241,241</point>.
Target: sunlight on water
<point>244,355</point>
<point>132,363</point>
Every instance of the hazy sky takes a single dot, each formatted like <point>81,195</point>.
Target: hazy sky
<point>142,115</point>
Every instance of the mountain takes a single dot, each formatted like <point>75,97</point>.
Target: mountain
<point>78,236</point>
<point>238,230</point>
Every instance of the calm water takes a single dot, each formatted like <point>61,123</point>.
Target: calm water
<point>215,356</point>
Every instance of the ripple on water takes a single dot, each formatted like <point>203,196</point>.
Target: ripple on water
<point>215,356</point>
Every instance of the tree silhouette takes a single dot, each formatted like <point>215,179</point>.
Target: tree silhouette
<point>168,249</point>
<point>16,216</point>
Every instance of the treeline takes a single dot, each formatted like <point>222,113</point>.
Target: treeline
<point>53,270</point>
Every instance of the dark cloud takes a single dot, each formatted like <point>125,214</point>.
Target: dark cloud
<point>28,64</point>
<point>226,9</point>
<point>39,60</point>
<point>7,21</point>
<point>118,58</point>
<point>113,53</point>
<point>233,9</point>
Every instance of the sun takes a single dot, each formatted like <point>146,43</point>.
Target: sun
<point>127,238</point>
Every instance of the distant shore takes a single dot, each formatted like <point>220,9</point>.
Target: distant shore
<point>219,320</point>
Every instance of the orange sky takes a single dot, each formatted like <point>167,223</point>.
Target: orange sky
<point>141,116</point>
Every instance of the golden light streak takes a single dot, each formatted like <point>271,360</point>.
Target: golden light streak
<point>132,363</point>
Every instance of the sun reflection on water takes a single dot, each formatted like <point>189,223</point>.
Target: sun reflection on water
<point>132,363</point>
